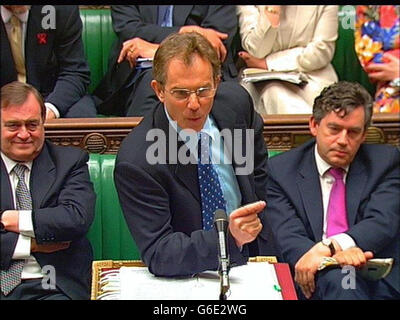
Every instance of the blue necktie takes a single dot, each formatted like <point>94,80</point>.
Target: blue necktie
<point>165,15</point>
<point>11,277</point>
<point>211,194</point>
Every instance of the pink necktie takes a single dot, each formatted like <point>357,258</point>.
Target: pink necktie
<point>337,215</point>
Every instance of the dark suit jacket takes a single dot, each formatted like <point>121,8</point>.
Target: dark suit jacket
<point>57,68</point>
<point>63,209</point>
<point>372,199</point>
<point>161,202</point>
<point>130,21</point>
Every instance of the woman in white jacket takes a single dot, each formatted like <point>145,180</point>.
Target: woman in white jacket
<point>288,38</point>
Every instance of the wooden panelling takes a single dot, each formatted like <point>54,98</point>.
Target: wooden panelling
<point>281,132</point>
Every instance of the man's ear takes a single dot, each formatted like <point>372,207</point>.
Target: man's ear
<point>313,126</point>
<point>158,90</point>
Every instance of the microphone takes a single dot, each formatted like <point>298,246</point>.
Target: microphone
<point>221,225</point>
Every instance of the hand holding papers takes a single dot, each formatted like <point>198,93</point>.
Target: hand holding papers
<point>375,269</point>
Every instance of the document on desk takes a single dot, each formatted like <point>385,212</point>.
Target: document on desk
<point>254,281</point>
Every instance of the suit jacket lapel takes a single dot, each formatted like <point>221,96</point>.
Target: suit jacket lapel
<point>42,177</point>
<point>31,48</point>
<point>356,179</point>
<point>186,173</point>
<point>181,14</point>
<point>149,13</point>
<point>308,184</point>
<point>225,119</point>
<point>8,73</point>
<point>7,201</point>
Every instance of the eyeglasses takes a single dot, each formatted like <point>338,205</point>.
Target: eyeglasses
<point>184,94</point>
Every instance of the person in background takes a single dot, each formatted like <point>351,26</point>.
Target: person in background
<point>288,38</point>
<point>46,206</point>
<point>125,89</point>
<point>169,196</point>
<point>337,197</point>
<point>43,47</point>
<point>377,46</point>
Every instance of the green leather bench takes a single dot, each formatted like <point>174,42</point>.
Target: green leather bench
<point>98,37</point>
<point>109,234</point>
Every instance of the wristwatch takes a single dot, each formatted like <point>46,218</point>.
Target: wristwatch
<point>328,242</point>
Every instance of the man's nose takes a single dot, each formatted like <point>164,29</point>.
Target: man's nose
<point>343,138</point>
<point>23,133</point>
<point>193,102</point>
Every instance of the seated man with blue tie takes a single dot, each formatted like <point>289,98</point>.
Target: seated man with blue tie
<point>42,46</point>
<point>337,197</point>
<point>125,89</point>
<point>46,206</point>
<point>170,184</point>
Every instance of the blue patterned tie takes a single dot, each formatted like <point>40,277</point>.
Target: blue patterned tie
<point>211,194</point>
<point>12,277</point>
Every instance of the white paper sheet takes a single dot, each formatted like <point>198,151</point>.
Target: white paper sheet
<point>254,281</point>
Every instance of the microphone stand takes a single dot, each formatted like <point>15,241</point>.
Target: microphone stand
<point>221,225</point>
<point>224,278</point>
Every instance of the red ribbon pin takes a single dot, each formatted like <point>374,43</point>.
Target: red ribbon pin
<point>42,38</point>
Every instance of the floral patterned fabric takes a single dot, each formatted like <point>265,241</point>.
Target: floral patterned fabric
<point>376,33</point>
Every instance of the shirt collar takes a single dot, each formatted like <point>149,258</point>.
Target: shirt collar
<point>10,164</point>
<point>209,127</point>
<point>322,165</point>
<point>6,15</point>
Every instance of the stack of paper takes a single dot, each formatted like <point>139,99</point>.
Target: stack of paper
<point>257,75</point>
<point>254,281</point>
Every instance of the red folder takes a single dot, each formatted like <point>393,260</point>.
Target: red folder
<point>285,281</point>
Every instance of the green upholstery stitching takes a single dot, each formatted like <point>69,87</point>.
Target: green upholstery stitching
<point>98,37</point>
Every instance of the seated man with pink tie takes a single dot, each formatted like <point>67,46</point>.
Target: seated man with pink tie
<point>337,197</point>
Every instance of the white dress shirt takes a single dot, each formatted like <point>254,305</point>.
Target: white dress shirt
<point>23,248</point>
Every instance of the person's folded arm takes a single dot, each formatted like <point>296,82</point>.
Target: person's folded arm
<point>69,217</point>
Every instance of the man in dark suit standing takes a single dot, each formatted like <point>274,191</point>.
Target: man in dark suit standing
<point>160,183</point>
<point>126,90</point>
<point>47,205</point>
<point>336,197</point>
<point>45,49</point>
